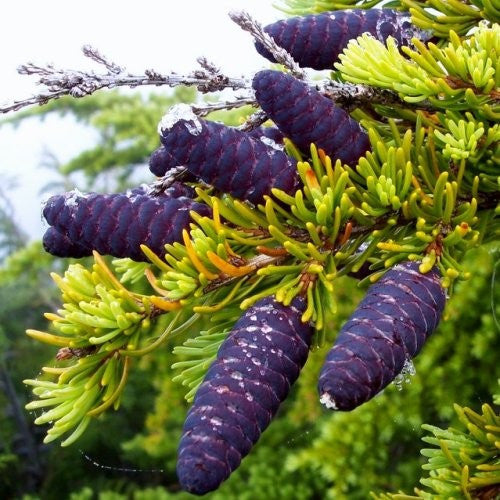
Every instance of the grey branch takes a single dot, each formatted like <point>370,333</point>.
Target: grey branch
<point>167,180</point>
<point>174,174</point>
<point>223,105</point>
<point>253,121</point>
<point>59,82</point>
<point>350,96</point>
<point>95,55</point>
<point>247,23</point>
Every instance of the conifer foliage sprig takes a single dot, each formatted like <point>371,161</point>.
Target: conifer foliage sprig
<point>444,15</point>
<point>461,75</point>
<point>463,462</point>
<point>100,326</point>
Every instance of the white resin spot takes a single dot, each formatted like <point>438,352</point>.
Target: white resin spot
<point>216,421</point>
<point>266,329</point>
<point>237,376</point>
<point>272,144</point>
<point>71,198</point>
<point>328,401</point>
<point>177,113</point>
<point>268,308</point>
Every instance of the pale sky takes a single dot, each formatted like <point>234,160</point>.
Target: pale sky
<point>166,36</point>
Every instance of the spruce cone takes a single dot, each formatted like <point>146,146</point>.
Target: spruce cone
<point>305,116</point>
<point>117,224</point>
<point>316,41</point>
<point>255,367</point>
<point>388,328</point>
<point>228,159</point>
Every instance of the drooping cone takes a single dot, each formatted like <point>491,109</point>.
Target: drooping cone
<point>388,328</point>
<point>305,117</point>
<point>315,41</point>
<point>117,224</point>
<point>231,160</point>
<point>255,367</point>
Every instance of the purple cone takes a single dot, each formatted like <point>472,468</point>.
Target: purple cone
<point>315,41</point>
<point>230,160</point>
<point>305,116</point>
<point>117,224</point>
<point>255,367</point>
<point>388,328</point>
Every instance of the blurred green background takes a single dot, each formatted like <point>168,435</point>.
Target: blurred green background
<point>306,453</point>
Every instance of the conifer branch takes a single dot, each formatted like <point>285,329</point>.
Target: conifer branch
<point>350,96</point>
<point>253,121</point>
<point>223,105</point>
<point>61,82</point>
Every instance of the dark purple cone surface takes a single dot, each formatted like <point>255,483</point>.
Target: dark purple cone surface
<point>117,224</point>
<point>160,162</point>
<point>305,116</point>
<point>316,41</point>
<point>228,159</point>
<point>264,133</point>
<point>255,367</point>
<point>387,329</point>
<point>60,245</point>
